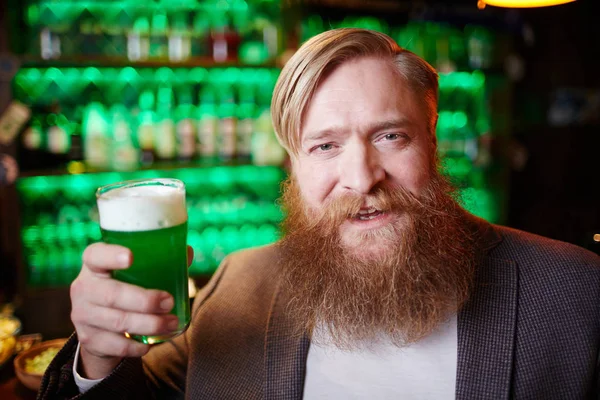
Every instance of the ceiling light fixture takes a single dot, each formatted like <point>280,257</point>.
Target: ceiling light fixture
<point>520,3</point>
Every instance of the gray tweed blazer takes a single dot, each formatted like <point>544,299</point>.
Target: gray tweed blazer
<point>531,330</point>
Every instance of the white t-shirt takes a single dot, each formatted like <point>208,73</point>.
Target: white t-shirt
<point>424,370</point>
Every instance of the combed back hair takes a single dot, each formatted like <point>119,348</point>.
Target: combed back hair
<point>321,54</point>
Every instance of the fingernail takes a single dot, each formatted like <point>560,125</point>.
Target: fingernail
<point>123,259</point>
<point>174,324</point>
<point>167,304</point>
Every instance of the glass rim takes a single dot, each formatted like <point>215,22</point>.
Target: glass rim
<point>170,182</point>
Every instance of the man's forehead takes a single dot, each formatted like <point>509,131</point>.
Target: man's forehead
<point>356,78</point>
<point>357,105</point>
<point>348,99</point>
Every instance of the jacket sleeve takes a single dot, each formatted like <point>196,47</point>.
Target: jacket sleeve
<point>159,374</point>
<point>127,381</point>
<point>596,393</point>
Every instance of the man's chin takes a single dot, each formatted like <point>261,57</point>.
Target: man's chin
<point>372,241</point>
<point>368,249</point>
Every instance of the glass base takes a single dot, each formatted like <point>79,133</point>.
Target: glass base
<point>155,339</point>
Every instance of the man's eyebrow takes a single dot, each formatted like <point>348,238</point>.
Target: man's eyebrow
<point>326,133</point>
<point>333,131</point>
<point>390,124</point>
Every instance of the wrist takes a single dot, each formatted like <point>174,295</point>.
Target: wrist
<point>96,367</point>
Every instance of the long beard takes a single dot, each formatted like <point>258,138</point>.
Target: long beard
<point>421,274</point>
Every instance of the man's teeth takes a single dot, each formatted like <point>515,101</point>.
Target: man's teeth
<point>367,217</point>
<point>368,214</point>
<point>367,211</point>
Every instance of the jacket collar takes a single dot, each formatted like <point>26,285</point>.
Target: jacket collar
<point>285,354</point>
<point>486,329</point>
<point>487,324</point>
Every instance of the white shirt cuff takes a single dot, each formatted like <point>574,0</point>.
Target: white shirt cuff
<point>83,384</point>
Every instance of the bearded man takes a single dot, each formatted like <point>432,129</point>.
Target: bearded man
<point>382,286</point>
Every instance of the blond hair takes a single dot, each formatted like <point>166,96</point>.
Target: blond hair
<point>321,54</point>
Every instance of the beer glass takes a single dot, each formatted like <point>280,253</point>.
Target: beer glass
<point>150,218</point>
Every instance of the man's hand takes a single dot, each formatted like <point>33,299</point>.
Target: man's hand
<point>104,308</point>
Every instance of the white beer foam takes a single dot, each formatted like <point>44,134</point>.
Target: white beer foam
<point>142,208</point>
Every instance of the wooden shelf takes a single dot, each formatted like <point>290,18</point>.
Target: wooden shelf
<point>121,62</point>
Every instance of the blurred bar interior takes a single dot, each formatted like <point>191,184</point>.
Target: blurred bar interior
<point>94,92</point>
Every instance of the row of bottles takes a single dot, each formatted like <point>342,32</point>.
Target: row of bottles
<point>229,208</point>
<point>224,30</point>
<point>165,125</point>
<point>217,127</point>
<point>58,264</point>
<point>445,46</point>
<point>219,192</point>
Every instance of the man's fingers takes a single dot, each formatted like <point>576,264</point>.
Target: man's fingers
<point>190,255</point>
<point>124,321</point>
<point>103,343</point>
<point>102,257</point>
<point>111,293</point>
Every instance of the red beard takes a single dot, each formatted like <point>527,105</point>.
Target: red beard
<point>419,277</point>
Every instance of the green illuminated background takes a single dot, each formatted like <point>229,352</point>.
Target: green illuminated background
<point>231,206</point>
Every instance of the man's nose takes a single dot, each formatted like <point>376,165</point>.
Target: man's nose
<point>360,169</point>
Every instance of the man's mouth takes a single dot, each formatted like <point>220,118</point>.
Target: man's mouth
<point>367,214</point>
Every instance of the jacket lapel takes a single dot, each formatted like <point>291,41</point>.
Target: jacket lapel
<point>486,329</point>
<point>285,355</point>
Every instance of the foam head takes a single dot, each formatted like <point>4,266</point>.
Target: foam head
<point>133,208</point>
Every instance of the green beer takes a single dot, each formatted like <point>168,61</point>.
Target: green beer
<point>150,218</point>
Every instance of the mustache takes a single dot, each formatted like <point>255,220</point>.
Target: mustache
<point>335,211</point>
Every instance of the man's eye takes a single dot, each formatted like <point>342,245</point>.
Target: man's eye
<point>391,136</point>
<point>325,147</point>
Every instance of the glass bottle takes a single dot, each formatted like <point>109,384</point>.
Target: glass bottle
<point>224,41</point>
<point>186,128</point>
<point>180,41</point>
<point>159,37</point>
<point>164,133</point>
<point>146,122</point>
<point>226,137</point>
<point>138,40</point>
<point>245,124</point>
<point>207,124</point>
<point>96,131</point>
<point>124,155</point>
<point>200,33</point>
